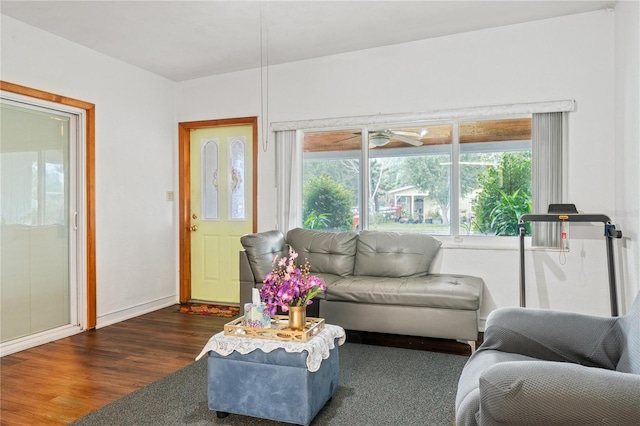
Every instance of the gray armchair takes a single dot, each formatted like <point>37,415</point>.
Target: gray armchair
<point>543,367</point>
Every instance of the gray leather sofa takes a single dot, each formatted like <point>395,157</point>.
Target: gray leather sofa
<point>376,281</point>
<point>544,367</point>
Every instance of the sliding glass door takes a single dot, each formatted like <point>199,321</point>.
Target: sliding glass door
<point>38,288</point>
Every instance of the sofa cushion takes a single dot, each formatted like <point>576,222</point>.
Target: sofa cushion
<point>261,248</point>
<point>327,252</point>
<point>394,254</point>
<point>446,291</point>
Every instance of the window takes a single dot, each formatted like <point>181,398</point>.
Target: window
<point>468,177</point>
<point>411,178</point>
<point>332,180</point>
<point>494,175</point>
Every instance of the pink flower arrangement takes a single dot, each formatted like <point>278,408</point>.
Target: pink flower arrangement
<point>288,285</point>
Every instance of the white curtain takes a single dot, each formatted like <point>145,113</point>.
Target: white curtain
<point>289,179</point>
<point>546,139</point>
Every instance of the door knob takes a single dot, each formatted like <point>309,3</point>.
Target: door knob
<point>193,228</point>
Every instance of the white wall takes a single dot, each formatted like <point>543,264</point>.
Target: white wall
<point>571,57</point>
<point>627,142</point>
<point>563,58</point>
<point>135,162</point>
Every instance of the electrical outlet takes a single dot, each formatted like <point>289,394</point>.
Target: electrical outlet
<point>169,195</point>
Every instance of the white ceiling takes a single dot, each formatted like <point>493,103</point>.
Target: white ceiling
<point>182,40</point>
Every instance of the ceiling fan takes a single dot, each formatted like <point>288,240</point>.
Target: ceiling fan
<point>382,137</point>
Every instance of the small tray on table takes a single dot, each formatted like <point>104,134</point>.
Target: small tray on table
<point>279,329</point>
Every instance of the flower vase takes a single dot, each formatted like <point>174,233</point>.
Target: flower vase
<point>297,317</point>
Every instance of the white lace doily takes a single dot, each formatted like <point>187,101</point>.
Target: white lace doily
<point>318,347</point>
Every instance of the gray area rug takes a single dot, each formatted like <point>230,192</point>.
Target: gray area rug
<point>378,386</point>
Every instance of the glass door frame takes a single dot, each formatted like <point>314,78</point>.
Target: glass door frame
<point>82,216</point>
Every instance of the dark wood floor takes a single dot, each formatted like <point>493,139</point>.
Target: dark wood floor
<point>59,382</point>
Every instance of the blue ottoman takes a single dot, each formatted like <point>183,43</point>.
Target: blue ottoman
<point>276,385</point>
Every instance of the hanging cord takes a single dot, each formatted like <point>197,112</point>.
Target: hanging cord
<point>562,256</point>
<point>264,57</point>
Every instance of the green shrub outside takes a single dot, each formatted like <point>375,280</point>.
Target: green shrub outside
<point>327,204</point>
<point>505,195</point>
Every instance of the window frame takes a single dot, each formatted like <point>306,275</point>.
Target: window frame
<point>364,158</point>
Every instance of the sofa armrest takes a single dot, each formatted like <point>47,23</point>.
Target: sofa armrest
<point>247,280</point>
<point>539,392</point>
<point>246,274</point>
<point>554,336</point>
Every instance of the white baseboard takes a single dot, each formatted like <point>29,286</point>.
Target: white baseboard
<point>28,342</point>
<point>135,311</point>
<point>48,336</point>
